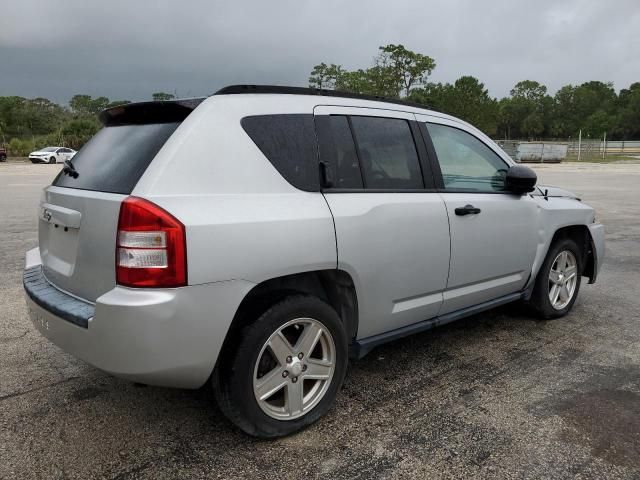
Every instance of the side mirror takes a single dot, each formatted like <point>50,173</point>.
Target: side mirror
<point>520,179</point>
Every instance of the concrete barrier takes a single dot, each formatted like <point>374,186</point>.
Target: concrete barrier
<point>541,152</point>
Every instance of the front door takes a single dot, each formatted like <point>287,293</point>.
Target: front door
<point>493,232</point>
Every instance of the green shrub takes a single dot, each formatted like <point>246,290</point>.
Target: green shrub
<point>20,148</point>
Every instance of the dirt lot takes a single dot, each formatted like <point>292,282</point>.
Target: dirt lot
<point>498,395</point>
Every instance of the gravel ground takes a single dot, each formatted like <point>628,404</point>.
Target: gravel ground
<point>498,395</point>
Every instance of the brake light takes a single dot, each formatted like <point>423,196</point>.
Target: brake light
<point>151,246</point>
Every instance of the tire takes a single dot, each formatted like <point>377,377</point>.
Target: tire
<point>237,377</point>
<point>52,160</point>
<point>541,301</point>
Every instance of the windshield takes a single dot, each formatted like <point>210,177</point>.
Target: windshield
<point>49,149</point>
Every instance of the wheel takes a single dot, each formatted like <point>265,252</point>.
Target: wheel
<point>284,370</point>
<point>52,160</point>
<point>558,280</point>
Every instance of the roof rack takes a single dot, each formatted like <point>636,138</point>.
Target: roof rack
<point>240,89</point>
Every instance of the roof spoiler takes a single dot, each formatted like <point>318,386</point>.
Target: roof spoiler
<point>141,113</point>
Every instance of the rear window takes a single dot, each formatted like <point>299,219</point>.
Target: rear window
<point>289,143</point>
<point>116,157</point>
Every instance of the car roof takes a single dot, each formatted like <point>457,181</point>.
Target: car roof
<point>286,90</point>
<point>179,109</point>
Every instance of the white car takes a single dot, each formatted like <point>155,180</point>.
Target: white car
<point>52,155</point>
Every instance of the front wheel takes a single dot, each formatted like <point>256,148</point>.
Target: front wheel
<point>285,370</point>
<point>558,280</point>
<point>52,160</point>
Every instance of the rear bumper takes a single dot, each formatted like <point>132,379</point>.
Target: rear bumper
<point>60,304</point>
<point>166,337</point>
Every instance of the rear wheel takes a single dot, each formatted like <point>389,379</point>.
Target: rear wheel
<point>285,370</point>
<point>558,281</point>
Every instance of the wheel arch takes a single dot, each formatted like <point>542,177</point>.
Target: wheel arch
<point>580,234</point>
<point>336,287</point>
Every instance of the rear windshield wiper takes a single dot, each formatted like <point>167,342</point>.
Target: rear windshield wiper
<point>69,169</point>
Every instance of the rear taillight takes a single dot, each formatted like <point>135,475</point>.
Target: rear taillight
<point>151,246</point>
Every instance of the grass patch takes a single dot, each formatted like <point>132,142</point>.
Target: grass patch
<point>610,158</point>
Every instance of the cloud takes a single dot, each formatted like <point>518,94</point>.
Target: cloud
<point>129,49</point>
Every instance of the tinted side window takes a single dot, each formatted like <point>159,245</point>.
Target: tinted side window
<point>289,143</point>
<point>387,153</point>
<point>338,151</point>
<point>466,162</point>
<point>116,157</point>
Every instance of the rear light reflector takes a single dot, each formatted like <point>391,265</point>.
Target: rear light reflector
<point>151,246</point>
<point>142,258</point>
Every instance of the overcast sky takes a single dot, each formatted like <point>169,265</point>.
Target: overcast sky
<point>127,49</point>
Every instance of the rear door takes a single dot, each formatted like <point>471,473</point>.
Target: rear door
<point>493,232</point>
<point>391,226</point>
<point>62,154</point>
<point>79,214</point>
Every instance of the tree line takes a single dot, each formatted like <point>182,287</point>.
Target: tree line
<point>30,123</point>
<point>528,112</point>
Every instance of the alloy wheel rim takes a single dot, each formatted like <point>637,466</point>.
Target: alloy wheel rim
<point>563,278</point>
<point>294,369</point>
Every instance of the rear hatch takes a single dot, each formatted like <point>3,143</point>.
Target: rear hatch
<point>78,217</point>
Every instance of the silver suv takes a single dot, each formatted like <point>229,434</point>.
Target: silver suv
<point>260,237</point>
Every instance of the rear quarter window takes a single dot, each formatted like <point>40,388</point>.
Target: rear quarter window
<point>116,157</point>
<point>289,143</point>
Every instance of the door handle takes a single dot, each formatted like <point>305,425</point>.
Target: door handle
<point>467,210</point>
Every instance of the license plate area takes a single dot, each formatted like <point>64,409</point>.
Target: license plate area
<point>58,247</point>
